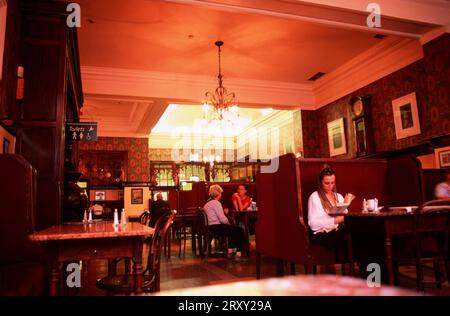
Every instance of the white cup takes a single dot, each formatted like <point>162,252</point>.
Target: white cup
<point>371,205</point>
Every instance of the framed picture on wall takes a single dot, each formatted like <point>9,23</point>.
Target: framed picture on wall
<point>137,196</point>
<point>336,137</point>
<point>100,196</point>
<point>406,116</point>
<point>442,156</point>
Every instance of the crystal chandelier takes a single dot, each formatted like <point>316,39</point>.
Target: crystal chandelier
<point>224,103</point>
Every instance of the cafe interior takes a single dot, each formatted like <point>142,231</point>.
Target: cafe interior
<point>199,147</point>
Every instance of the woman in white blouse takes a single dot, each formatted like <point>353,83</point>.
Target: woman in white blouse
<point>325,228</point>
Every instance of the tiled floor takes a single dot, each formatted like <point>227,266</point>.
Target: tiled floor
<point>192,271</point>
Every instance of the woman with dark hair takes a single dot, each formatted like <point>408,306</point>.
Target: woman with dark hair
<point>325,227</point>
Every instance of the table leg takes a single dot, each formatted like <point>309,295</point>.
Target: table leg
<point>54,280</point>
<point>137,258</point>
<point>350,254</point>
<point>389,263</point>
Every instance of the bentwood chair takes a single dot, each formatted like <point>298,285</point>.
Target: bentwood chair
<point>124,283</point>
<point>430,238</point>
<point>209,236</point>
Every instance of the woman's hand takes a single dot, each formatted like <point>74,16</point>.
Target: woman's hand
<point>339,219</point>
<point>349,198</point>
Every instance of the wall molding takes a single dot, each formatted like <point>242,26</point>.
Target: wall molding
<point>381,60</point>
<point>3,18</point>
<point>191,88</point>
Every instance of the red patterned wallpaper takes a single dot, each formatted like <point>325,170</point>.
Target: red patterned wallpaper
<point>428,77</point>
<point>138,168</point>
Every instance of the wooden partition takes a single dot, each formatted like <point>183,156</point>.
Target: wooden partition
<point>282,230</point>
<point>20,269</point>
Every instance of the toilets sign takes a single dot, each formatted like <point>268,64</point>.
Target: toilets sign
<point>85,131</point>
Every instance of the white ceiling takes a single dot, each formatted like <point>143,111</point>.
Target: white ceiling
<point>268,43</point>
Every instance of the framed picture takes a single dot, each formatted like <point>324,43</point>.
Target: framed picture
<point>442,156</point>
<point>336,137</point>
<point>6,144</point>
<point>100,196</point>
<point>121,195</point>
<point>406,116</point>
<point>137,196</point>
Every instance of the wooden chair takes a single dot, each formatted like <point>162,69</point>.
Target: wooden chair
<point>429,243</point>
<point>151,276</point>
<point>209,236</point>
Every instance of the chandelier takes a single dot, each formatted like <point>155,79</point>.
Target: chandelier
<point>224,103</point>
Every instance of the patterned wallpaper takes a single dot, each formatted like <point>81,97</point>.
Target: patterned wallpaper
<point>138,167</point>
<point>428,77</point>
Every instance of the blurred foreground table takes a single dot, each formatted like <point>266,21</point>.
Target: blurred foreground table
<point>97,240</point>
<point>301,285</point>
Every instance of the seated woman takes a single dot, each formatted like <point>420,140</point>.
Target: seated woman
<point>326,229</point>
<point>241,201</point>
<point>219,225</point>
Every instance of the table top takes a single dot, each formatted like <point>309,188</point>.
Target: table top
<point>300,285</point>
<point>398,211</point>
<point>97,229</point>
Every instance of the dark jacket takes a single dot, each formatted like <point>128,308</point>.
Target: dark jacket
<point>157,209</point>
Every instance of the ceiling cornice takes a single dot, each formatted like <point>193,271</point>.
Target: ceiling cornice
<point>113,81</point>
<point>381,60</point>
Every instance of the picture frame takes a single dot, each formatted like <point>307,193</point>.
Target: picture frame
<point>442,156</point>
<point>336,137</point>
<point>120,195</point>
<point>406,116</point>
<point>6,145</point>
<point>137,196</point>
<point>99,196</point>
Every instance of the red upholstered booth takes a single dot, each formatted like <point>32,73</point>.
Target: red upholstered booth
<point>281,229</point>
<point>21,271</point>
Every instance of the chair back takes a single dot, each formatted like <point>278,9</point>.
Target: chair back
<point>432,217</point>
<point>154,258</point>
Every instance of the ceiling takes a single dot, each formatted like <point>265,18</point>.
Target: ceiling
<point>172,39</point>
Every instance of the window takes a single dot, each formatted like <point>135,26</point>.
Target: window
<point>3,8</point>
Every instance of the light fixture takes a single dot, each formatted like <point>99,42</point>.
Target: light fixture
<point>224,103</point>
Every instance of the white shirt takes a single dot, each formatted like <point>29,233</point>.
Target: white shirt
<point>442,190</point>
<point>318,219</point>
<point>215,213</point>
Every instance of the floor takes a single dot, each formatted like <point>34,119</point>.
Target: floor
<point>192,271</point>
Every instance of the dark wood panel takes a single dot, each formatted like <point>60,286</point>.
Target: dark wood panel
<point>49,192</point>
<point>43,28</point>
<point>37,146</point>
<point>41,82</point>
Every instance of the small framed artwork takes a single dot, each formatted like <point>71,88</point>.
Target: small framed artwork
<point>100,196</point>
<point>406,116</point>
<point>336,137</point>
<point>121,195</point>
<point>442,156</point>
<point>137,196</point>
<point>6,144</point>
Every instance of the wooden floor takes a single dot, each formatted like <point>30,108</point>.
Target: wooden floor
<point>177,273</point>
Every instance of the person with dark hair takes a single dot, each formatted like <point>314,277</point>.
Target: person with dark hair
<point>157,209</point>
<point>241,201</point>
<point>325,228</point>
<point>219,225</point>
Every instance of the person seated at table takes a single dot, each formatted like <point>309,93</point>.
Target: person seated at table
<point>219,225</point>
<point>241,201</point>
<point>326,229</point>
<point>157,209</point>
<point>442,190</point>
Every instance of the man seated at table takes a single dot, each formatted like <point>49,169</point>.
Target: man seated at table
<point>157,209</point>
<point>219,225</point>
<point>442,190</point>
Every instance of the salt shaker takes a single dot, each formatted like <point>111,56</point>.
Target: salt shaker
<point>116,218</point>
<point>123,217</point>
<point>85,219</point>
<point>90,217</point>
<point>375,208</point>
<point>364,205</point>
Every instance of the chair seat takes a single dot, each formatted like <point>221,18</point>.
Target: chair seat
<point>123,283</point>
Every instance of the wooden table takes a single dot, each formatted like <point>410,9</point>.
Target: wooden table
<point>301,285</point>
<point>97,240</point>
<point>244,218</point>
<point>392,222</point>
